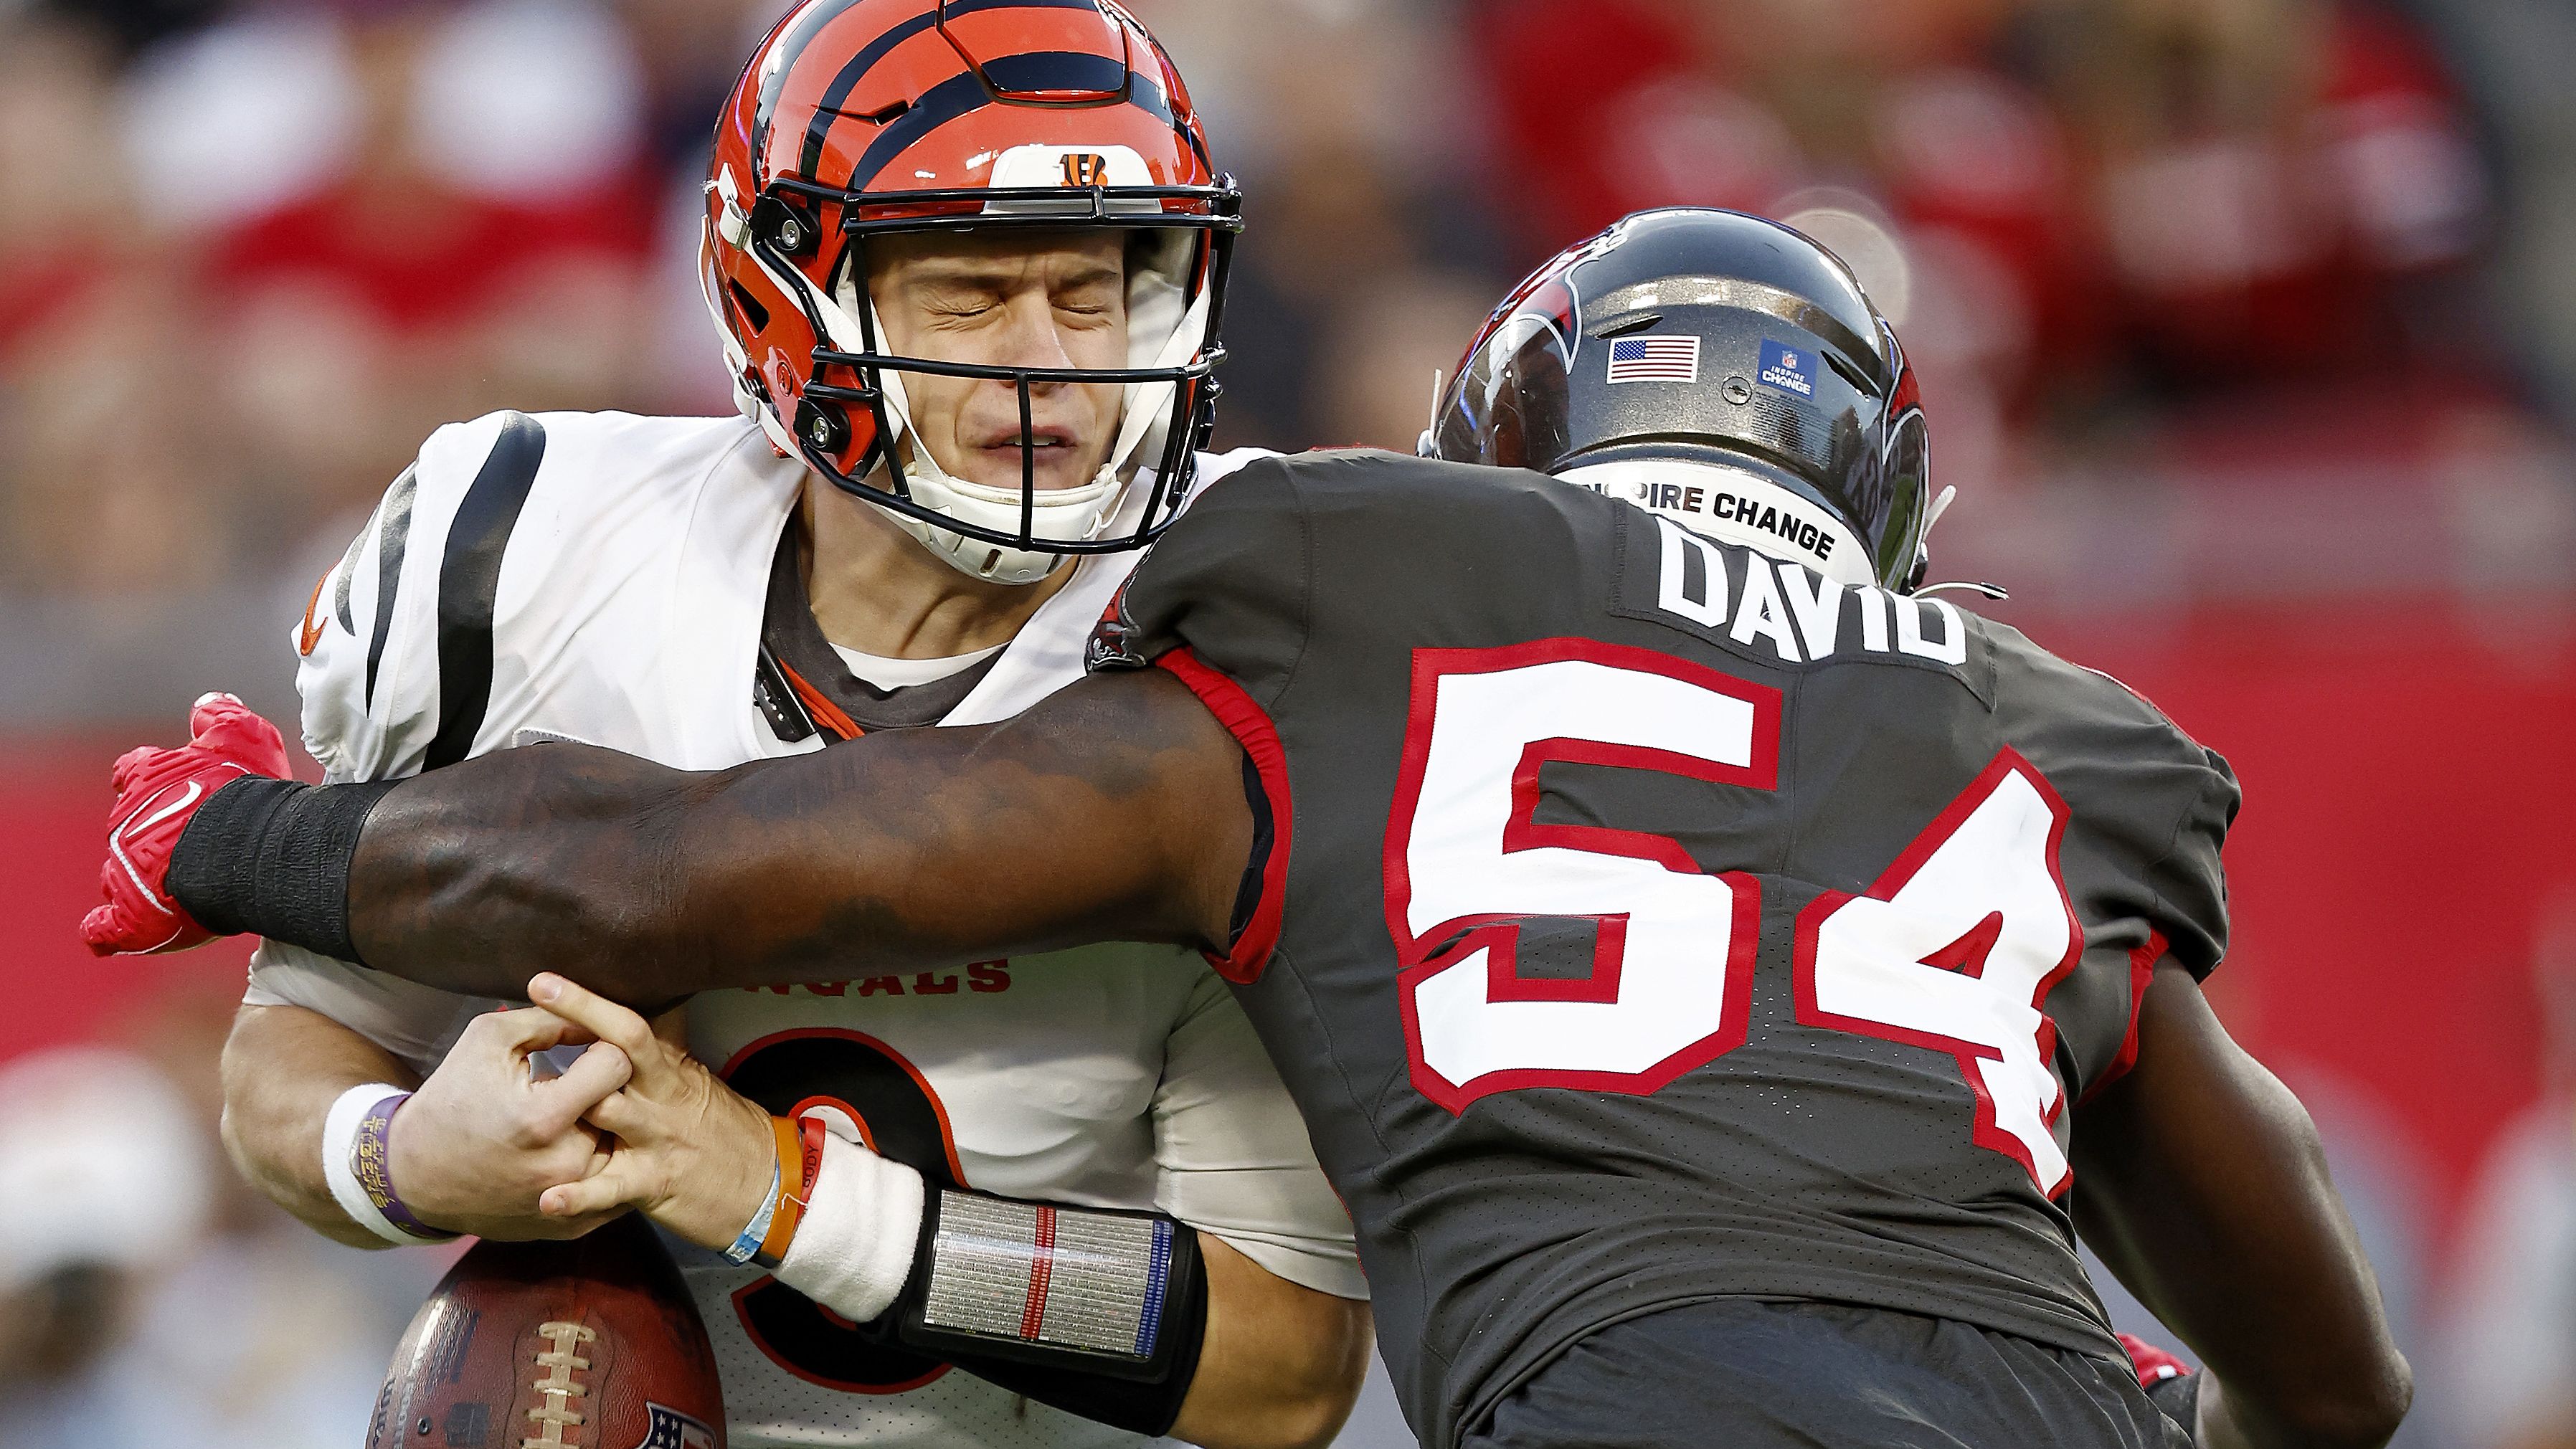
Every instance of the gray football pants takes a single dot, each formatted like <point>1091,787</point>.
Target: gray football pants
<point>1737,1373</point>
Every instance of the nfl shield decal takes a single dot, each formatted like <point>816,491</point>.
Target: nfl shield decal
<point>1788,368</point>
<point>671,1429</point>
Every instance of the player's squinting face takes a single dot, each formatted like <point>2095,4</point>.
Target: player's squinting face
<point>1009,299</point>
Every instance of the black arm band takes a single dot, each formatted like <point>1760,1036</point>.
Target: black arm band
<point>1097,1312</point>
<point>272,858</point>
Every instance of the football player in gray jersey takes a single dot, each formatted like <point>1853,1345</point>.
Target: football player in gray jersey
<point>1723,978</point>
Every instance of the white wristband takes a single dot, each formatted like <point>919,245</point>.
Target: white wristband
<point>339,1138</point>
<point>854,1247</point>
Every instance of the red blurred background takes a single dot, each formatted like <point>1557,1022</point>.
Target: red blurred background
<point>2248,330</point>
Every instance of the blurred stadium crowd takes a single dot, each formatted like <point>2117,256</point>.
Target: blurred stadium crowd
<point>251,253</point>
<point>2216,301</point>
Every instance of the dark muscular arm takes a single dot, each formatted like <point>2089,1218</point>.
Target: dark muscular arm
<point>2201,1183</point>
<point>1114,810</point>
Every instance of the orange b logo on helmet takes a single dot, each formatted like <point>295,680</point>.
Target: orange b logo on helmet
<point>1085,168</point>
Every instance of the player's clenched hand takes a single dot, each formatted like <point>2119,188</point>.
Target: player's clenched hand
<point>486,1134</point>
<point>158,792</point>
<point>690,1151</point>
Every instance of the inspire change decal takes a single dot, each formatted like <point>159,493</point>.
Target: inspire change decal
<point>1788,369</point>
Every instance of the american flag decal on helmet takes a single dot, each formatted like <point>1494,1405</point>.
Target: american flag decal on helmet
<point>1654,359</point>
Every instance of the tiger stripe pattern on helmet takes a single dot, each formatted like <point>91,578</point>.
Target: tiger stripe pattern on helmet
<point>857,117</point>
<point>916,74</point>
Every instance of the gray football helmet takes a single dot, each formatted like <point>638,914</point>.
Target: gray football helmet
<point>1719,369</point>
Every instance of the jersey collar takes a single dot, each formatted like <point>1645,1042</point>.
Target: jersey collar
<point>802,687</point>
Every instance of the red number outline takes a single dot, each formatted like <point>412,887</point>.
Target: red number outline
<point>1986,1132</point>
<point>1499,933</point>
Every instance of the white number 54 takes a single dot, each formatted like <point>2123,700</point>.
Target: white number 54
<point>1952,949</point>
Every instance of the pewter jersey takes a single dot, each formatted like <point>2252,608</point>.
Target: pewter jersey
<point>634,582</point>
<point>1645,920</point>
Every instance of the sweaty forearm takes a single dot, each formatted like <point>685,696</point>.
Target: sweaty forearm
<point>473,872</point>
<point>606,868</point>
<point>555,857</point>
<point>283,1067</point>
<point>1113,811</point>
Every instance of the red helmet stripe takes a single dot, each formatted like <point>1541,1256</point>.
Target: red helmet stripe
<point>997,128</point>
<point>1035,71</point>
<point>953,9</point>
<point>939,105</point>
<point>897,98</point>
<point>847,79</point>
<point>797,32</point>
<point>827,110</point>
<point>985,34</point>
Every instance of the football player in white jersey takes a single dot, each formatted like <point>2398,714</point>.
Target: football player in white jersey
<point>967,262</point>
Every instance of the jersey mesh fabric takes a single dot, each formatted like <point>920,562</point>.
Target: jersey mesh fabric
<point>1807,1162</point>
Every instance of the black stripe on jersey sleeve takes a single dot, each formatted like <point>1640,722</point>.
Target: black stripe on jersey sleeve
<point>469,579</point>
<point>395,541</point>
<point>349,565</point>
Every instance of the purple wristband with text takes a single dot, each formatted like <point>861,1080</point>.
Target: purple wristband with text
<point>371,1159</point>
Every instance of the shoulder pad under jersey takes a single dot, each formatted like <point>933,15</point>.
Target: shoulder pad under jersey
<point>397,645</point>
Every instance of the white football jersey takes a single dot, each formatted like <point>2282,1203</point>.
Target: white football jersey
<point>628,582</point>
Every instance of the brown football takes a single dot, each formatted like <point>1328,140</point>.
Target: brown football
<point>591,1343</point>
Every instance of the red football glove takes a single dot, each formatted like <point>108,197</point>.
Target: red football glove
<point>157,794</point>
<point>2154,1364</point>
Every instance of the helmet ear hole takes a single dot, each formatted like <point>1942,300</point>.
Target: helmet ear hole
<point>754,315</point>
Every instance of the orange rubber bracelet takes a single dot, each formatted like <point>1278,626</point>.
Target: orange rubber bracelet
<point>790,1141</point>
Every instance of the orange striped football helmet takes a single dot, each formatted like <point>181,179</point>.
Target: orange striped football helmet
<point>857,118</point>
